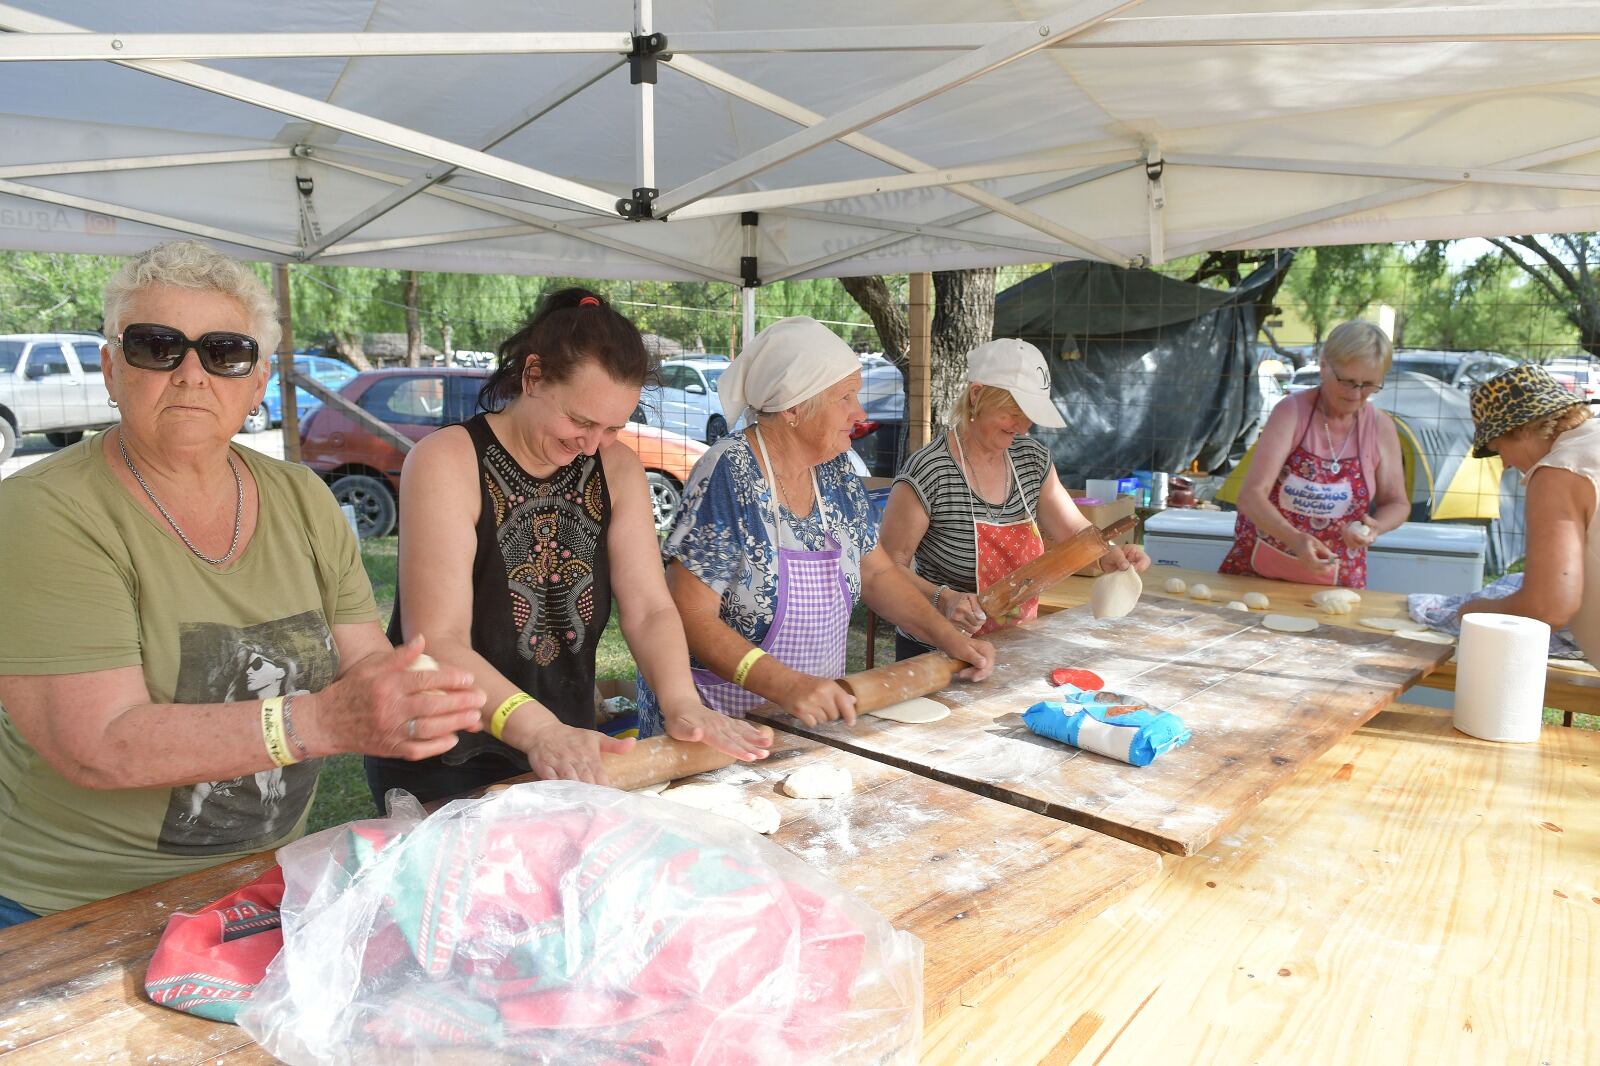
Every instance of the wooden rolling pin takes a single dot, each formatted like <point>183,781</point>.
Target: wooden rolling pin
<point>1056,564</point>
<point>651,762</point>
<point>904,680</point>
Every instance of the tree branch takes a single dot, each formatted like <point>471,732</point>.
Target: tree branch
<point>894,332</point>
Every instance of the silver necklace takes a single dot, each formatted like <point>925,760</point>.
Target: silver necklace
<point>1328,433</point>
<point>238,506</point>
<point>970,470</point>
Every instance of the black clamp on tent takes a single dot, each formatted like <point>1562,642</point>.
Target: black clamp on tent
<point>642,60</point>
<point>639,206</point>
<point>749,274</point>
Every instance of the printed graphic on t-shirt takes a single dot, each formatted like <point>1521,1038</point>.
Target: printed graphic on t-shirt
<point>223,664</point>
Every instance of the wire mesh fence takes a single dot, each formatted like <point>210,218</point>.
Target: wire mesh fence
<point>1160,375</point>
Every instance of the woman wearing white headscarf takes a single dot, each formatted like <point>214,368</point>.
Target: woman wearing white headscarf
<point>775,542</point>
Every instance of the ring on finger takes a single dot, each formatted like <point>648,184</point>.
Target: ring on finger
<point>411,728</point>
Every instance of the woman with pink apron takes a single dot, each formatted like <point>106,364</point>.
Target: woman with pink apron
<point>776,541</point>
<point>1326,461</point>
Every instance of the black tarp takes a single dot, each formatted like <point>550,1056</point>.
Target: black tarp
<point>1149,372</point>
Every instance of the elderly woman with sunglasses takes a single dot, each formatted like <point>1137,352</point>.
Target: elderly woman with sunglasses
<point>187,627</point>
<point>1326,478</point>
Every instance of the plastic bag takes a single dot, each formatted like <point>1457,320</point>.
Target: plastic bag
<point>564,922</point>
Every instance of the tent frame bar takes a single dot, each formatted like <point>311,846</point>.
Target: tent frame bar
<point>1007,49</point>
<point>142,162</point>
<point>1444,24</point>
<point>148,218</point>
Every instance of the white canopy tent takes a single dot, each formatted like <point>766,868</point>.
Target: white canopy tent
<point>789,140</point>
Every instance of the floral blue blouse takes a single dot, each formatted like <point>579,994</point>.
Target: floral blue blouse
<point>724,536</point>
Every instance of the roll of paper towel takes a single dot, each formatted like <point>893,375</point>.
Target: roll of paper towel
<point>1500,679</point>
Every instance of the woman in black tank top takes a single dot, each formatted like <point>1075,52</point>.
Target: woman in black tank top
<point>516,528</point>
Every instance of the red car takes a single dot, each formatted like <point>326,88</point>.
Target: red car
<point>364,468</point>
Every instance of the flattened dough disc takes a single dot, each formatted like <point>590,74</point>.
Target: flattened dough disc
<point>1388,625</point>
<point>916,711</point>
<point>1288,623</point>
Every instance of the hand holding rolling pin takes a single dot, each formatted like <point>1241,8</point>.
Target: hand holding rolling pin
<point>979,653</point>
<point>962,609</point>
<point>814,700</point>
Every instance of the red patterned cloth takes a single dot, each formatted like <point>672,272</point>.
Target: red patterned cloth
<point>210,962</point>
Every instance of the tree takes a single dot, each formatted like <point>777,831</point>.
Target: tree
<point>1565,266</point>
<point>48,292</point>
<point>963,318</point>
<point>413,321</point>
<point>1331,284</point>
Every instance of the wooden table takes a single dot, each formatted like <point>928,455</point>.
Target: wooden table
<point>1569,685</point>
<point>1261,705</point>
<point>983,884</point>
<point>1415,896</point>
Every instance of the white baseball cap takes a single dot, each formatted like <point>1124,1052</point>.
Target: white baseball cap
<point>1019,368</point>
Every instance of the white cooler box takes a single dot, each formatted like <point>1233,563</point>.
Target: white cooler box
<point>1418,557</point>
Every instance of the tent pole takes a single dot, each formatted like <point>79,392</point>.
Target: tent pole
<point>919,380</point>
<point>291,409</point>
<point>747,315</point>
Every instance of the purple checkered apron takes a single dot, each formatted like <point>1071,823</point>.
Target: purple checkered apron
<point>812,617</point>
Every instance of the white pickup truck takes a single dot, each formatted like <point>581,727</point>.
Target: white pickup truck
<point>50,383</point>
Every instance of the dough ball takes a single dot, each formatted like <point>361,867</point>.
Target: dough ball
<point>1337,601</point>
<point>1177,586</point>
<point>1288,623</point>
<point>1257,601</point>
<point>819,781</point>
<point>1238,605</point>
<point>424,662</point>
<point>916,712</point>
<point>1200,592</point>
<point>1361,528</point>
<point>1115,594</point>
<point>729,802</point>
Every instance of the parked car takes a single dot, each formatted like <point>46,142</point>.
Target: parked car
<point>880,439</point>
<point>1580,376</point>
<point>685,399</point>
<point>324,370</point>
<point>363,469</point>
<point>50,383</point>
<point>1462,370</point>
<point>1307,377</point>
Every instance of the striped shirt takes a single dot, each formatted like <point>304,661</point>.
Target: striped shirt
<point>948,554</point>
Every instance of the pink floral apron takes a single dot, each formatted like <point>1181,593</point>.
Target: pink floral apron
<point>812,614</point>
<point>1317,496</point>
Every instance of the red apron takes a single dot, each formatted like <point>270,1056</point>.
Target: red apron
<point>1317,496</point>
<point>1002,546</point>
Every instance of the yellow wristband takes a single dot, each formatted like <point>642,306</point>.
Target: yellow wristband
<point>751,657</point>
<point>497,721</point>
<point>272,732</point>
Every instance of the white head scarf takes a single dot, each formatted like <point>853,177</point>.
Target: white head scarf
<point>787,363</point>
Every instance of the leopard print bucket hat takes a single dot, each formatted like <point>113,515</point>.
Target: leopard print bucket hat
<point>1514,399</point>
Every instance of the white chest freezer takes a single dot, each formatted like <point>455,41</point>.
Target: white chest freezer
<point>1440,557</point>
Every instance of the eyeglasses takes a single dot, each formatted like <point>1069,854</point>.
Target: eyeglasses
<point>149,346</point>
<point>1368,387</point>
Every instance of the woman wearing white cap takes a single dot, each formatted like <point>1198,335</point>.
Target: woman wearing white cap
<point>981,499</point>
<point>775,541</point>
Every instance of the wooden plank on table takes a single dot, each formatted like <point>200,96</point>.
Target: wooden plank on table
<point>1260,705</point>
<point>1571,685</point>
<point>983,885</point>
<point>1415,896</point>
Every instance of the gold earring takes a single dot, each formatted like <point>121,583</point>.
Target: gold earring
<point>792,423</point>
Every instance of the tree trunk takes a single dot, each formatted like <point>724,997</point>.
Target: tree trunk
<point>413,324</point>
<point>963,318</point>
<point>449,344</point>
<point>350,348</point>
<point>888,317</point>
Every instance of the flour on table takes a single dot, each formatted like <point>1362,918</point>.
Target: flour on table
<point>916,712</point>
<point>819,781</point>
<point>1288,623</point>
<point>753,812</point>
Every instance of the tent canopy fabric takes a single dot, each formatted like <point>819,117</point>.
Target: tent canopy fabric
<point>790,140</point>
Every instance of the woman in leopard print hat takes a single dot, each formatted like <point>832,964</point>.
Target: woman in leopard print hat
<point>1536,426</point>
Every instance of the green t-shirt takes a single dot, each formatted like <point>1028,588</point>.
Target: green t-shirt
<point>89,580</point>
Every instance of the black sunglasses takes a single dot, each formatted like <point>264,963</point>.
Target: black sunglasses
<point>149,346</point>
